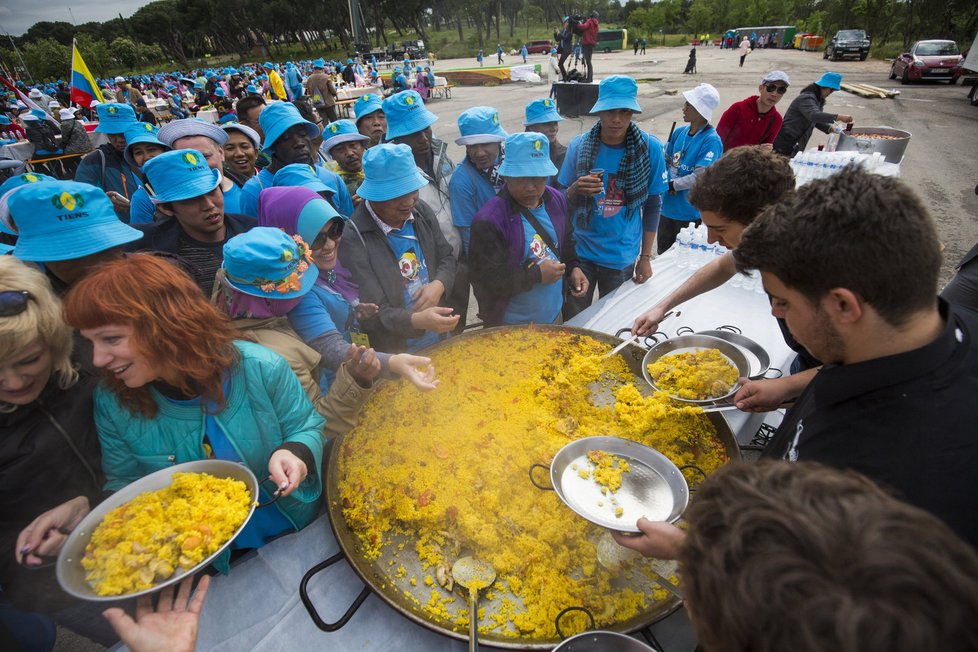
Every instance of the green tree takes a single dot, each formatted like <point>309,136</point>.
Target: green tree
<point>125,52</point>
<point>48,59</point>
<point>96,54</point>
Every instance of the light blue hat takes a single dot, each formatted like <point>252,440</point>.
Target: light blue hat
<point>831,80</point>
<point>617,92</point>
<point>266,262</point>
<point>141,132</point>
<point>480,124</point>
<point>113,118</point>
<point>367,104</point>
<point>267,65</point>
<point>219,92</point>
<point>541,111</point>
<point>406,114</point>
<point>341,131</point>
<point>279,117</point>
<point>180,174</point>
<point>4,120</point>
<point>7,189</point>
<point>249,133</point>
<point>389,172</point>
<point>527,155</point>
<point>397,69</point>
<point>316,214</point>
<point>299,174</point>
<point>252,88</point>
<point>174,130</point>
<point>64,220</point>
<point>319,63</point>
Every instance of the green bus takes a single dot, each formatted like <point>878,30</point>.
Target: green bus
<point>612,39</point>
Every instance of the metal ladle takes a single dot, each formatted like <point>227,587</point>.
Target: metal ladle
<point>474,575</point>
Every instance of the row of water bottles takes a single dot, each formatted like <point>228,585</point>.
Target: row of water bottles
<point>693,250</point>
<point>8,135</point>
<point>809,165</point>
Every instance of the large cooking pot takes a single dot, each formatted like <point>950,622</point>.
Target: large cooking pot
<point>861,139</point>
<point>377,573</point>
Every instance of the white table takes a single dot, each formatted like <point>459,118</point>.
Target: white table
<point>355,92</point>
<point>21,151</point>
<point>209,115</point>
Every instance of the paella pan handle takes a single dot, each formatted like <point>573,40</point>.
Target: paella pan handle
<point>772,369</point>
<point>584,610</point>
<point>307,602</point>
<point>649,340</point>
<point>730,329</point>
<point>694,468</point>
<point>684,330</point>
<point>534,480</point>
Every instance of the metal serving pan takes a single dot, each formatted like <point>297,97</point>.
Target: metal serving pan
<point>69,570</point>
<point>697,342</point>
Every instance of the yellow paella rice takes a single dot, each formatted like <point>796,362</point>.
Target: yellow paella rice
<point>144,541</point>
<point>608,469</point>
<point>697,375</point>
<point>448,471</point>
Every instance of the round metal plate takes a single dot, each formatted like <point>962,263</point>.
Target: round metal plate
<point>757,356</point>
<point>691,343</point>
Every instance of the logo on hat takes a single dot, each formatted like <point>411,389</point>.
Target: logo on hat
<point>409,100</point>
<point>67,201</point>
<point>495,118</point>
<point>112,110</point>
<point>190,158</point>
<point>548,103</point>
<point>30,177</point>
<point>537,144</point>
<point>148,127</point>
<point>333,128</point>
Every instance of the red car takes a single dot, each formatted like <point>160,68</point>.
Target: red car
<point>928,60</point>
<point>538,47</point>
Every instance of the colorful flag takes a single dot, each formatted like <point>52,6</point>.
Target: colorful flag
<point>83,86</point>
<point>28,102</point>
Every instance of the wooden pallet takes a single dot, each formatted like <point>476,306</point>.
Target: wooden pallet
<point>866,90</point>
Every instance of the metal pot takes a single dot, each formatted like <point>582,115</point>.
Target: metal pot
<point>602,642</point>
<point>892,149</point>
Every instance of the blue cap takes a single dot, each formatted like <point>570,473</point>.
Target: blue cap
<point>279,117</point>
<point>7,189</point>
<point>4,120</point>
<point>64,220</point>
<point>174,130</point>
<point>541,112</point>
<point>527,155</point>
<point>141,132</point>
<point>227,119</point>
<point>267,65</point>
<point>389,172</point>
<point>113,118</point>
<point>617,92</point>
<point>252,88</point>
<point>831,80</point>
<point>316,214</point>
<point>480,124</point>
<point>397,69</point>
<point>219,92</point>
<point>349,60</point>
<point>299,174</point>
<point>180,174</point>
<point>417,69</point>
<point>367,104</point>
<point>406,114</point>
<point>266,262</point>
<point>319,63</point>
<point>249,133</point>
<point>341,131</point>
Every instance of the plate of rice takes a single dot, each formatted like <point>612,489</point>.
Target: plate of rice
<point>157,530</point>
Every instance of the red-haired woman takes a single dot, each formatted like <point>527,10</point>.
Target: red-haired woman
<point>180,387</point>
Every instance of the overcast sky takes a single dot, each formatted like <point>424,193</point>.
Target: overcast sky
<point>16,16</point>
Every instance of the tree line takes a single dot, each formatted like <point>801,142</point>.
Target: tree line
<point>174,33</point>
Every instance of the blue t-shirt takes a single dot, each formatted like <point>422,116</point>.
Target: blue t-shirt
<point>232,199</point>
<point>540,304</point>
<point>141,209</point>
<point>414,271</point>
<point>320,312</point>
<point>613,237</point>
<point>468,191</point>
<point>248,202</point>
<point>685,153</point>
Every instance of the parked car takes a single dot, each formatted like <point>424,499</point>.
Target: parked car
<point>539,47</point>
<point>847,43</point>
<point>928,60</point>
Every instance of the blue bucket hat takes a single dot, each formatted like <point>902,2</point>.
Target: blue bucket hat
<point>299,174</point>
<point>7,189</point>
<point>113,118</point>
<point>389,172</point>
<point>397,69</point>
<point>174,130</point>
<point>527,155</point>
<point>341,131</point>
<point>252,88</point>
<point>66,220</point>
<point>227,119</point>
<point>831,80</point>
<point>617,92</point>
<point>406,114</point>
<point>480,124</point>
<point>180,174</point>
<point>319,63</point>
<point>541,111</point>
<point>367,104</point>
<point>279,117</point>
<point>267,65</point>
<point>4,120</point>
<point>219,92</point>
<point>316,214</point>
<point>141,132</point>
<point>266,262</point>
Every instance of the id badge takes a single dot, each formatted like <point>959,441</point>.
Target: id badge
<point>360,339</point>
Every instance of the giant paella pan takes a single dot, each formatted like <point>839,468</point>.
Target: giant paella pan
<point>426,478</point>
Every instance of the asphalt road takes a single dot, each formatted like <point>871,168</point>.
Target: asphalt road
<point>940,163</point>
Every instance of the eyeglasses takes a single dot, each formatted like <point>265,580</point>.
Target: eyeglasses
<point>14,302</point>
<point>770,88</point>
<point>334,232</point>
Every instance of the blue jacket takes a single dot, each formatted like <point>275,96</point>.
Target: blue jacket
<point>107,169</point>
<point>266,408</point>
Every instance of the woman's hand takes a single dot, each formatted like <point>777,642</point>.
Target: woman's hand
<point>428,295</point>
<point>551,271</point>
<point>437,319</point>
<point>363,364</point>
<point>409,366</point>
<point>287,471</point>
<point>578,283</point>
<point>659,540</point>
<point>47,533</point>
<point>172,627</point>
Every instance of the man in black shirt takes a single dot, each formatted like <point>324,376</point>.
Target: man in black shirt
<point>851,264</point>
<point>188,191</point>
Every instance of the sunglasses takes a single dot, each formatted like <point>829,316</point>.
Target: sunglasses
<point>14,302</point>
<point>770,88</point>
<point>334,231</point>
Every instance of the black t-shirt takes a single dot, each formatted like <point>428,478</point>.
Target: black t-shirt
<point>205,259</point>
<point>908,421</point>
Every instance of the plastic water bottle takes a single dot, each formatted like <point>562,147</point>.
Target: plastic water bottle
<point>683,250</point>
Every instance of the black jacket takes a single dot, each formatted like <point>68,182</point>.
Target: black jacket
<point>804,114</point>
<point>165,235</point>
<point>364,251</point>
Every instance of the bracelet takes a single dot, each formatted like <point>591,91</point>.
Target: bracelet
<point>649,256</point>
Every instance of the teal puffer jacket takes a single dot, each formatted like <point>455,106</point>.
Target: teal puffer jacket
<point>266,407</point>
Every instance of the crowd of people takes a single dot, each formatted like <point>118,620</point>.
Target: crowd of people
<point>236,290</point>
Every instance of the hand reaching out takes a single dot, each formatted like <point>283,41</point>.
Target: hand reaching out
<point>171,627</point>
<point>409,366</point>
